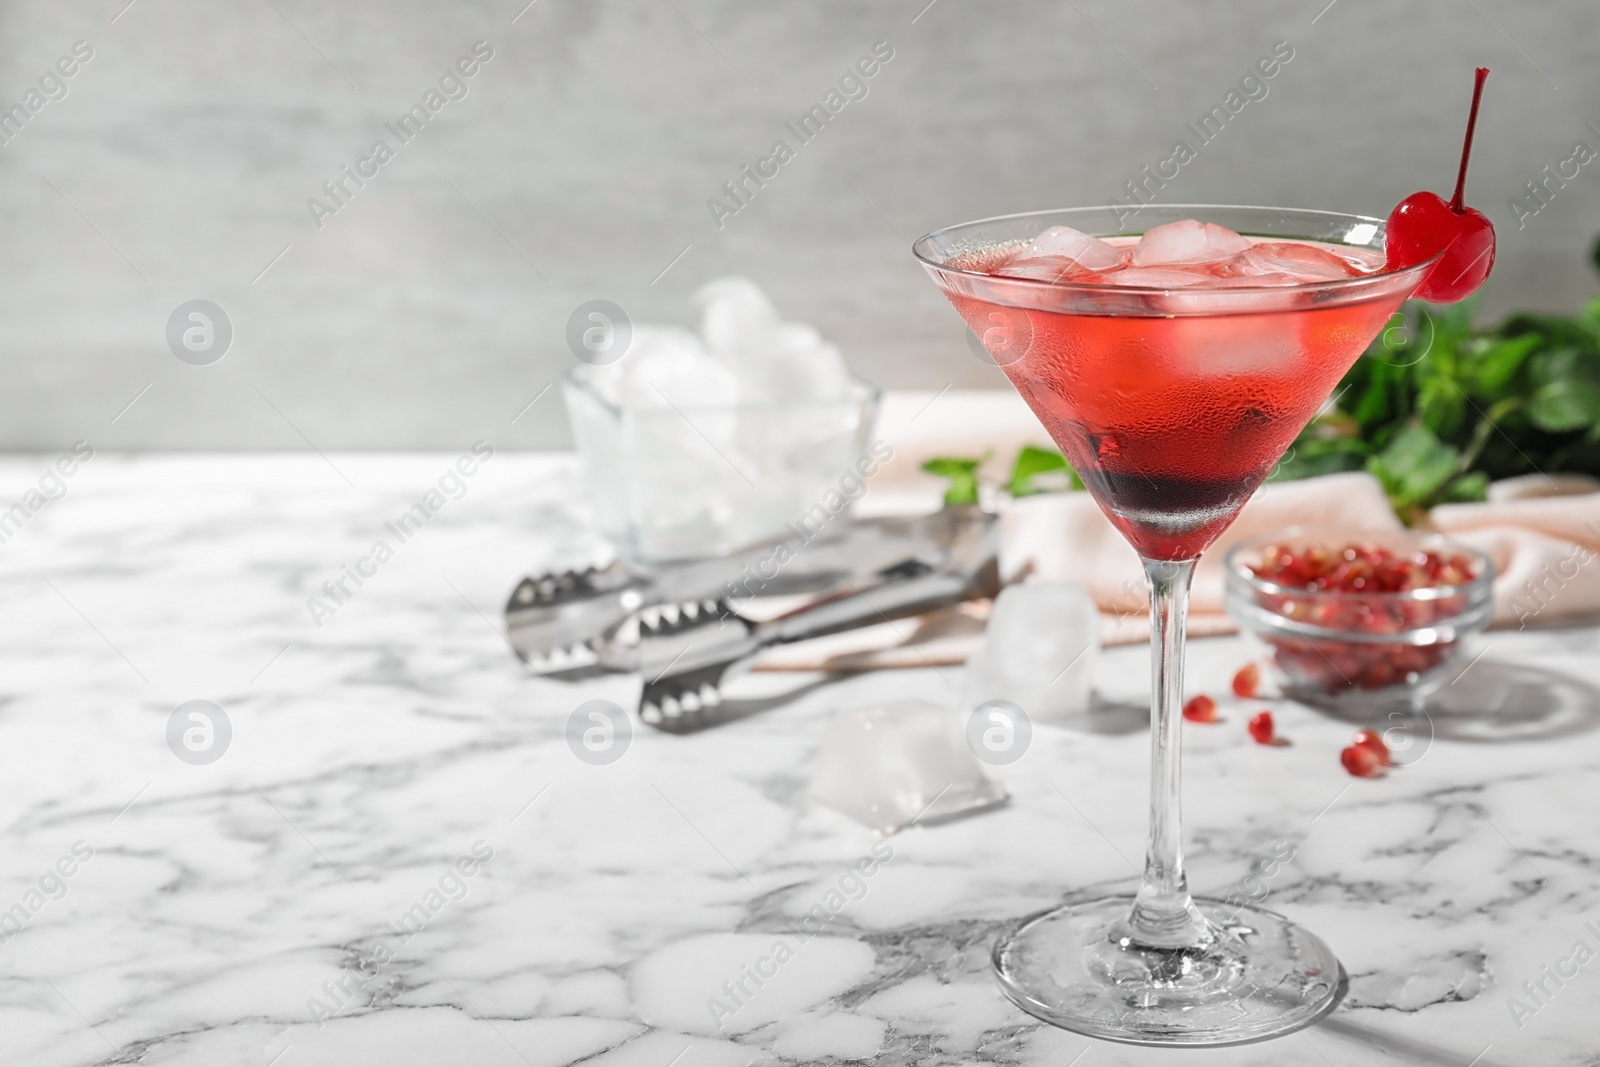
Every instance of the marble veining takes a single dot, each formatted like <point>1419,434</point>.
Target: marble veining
<point>306,898</point>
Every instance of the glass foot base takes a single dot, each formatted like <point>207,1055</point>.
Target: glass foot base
<point>1260,976</point>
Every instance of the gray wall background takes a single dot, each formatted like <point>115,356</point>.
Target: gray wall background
<point>432,308</point>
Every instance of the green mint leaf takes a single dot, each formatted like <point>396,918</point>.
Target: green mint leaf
<point>1441,406</point>
<point>1580,331</point>
<point>963,476</point>
<point>1032,462</point>
<point>1413,467</point>
<point>1565,405</point>
<point>1452,323</point>
<point>1378,400</point>
<point>1468,489</point>
<point>1489,369</point>
<point>1564,363</point>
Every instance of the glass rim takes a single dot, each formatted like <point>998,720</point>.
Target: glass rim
<point>922,246</point>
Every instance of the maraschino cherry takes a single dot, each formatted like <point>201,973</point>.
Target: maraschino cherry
<point>1424,226</point>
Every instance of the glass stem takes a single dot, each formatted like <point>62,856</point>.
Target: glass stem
<point>1164,915</point>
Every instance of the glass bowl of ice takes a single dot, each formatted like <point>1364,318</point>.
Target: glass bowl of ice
<point>697,445</point>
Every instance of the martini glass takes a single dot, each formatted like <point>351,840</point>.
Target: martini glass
<point>1173,406</point>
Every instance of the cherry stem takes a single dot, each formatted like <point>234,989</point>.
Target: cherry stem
<point>1457,204</point>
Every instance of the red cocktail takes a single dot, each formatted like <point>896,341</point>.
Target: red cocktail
<point>1173,368</point>
<point>1174,405</point>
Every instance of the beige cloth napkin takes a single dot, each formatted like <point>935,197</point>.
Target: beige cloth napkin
<point>1542,533</point>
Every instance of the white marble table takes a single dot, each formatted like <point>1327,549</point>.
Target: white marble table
<point>223,906</point>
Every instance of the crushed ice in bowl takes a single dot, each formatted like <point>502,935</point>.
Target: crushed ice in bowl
<point>665,365</point>
<point>773,360</point>
<point>700,443</point>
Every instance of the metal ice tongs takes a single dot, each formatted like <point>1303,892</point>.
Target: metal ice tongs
<point>685,650</point>
<point>570,620</point>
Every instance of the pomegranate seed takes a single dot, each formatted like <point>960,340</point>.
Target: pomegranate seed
<point>1247,680</point>
<point>1261,728</point>
<point>1200,709</point>
<point>1360,761</point>
<point>1373,742</point>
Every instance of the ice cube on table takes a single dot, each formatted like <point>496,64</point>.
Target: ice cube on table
<point>1303,263</point>
<point>907,760</point>
<point>1187,241</point>
<point>1089,252</point>
<point>1038,652</point>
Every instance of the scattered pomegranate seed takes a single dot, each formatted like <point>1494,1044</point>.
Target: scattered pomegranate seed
<point>1261,728</point>
<point>1200,709</point>
<point>1247,681</point>
<point>1360,761</point>
<point>1372,741</point>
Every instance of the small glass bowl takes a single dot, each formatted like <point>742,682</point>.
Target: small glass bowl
<point>692,481</point>
<point>1354,651</point>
